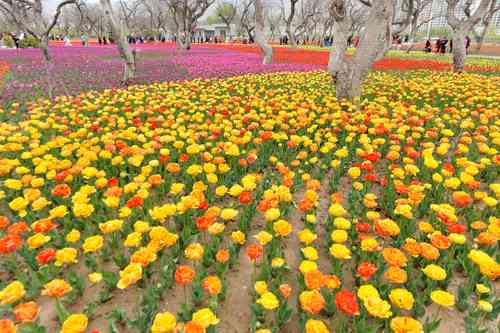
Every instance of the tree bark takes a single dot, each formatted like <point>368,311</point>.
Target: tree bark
<point>413,33</point>
<point>459,51</point>
<point>480,37</point>
<point>124,50</point>
<point>338,60</point>
<point>188,40</point>
<point>260,38</point>
<point>341,67</point>
<point>291,36</point>
<point>460,29</point>
<point>228,36</point>
<point>251,37</point>
<point>289,21</point>
<point>181,41</point>
<point>44,46</point>
<point>349,74</point>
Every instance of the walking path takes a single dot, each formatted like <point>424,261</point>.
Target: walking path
<point>496,57</point>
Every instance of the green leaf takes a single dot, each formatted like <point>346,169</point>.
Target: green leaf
<point>62,313</point>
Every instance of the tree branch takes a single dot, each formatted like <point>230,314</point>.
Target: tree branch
<point>57,14</point>
<point>366,2</point>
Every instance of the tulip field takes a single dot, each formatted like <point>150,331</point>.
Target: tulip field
<point>232,197</point>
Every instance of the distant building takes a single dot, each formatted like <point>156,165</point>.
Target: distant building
<point>495,22</point>
<point>437,11</point>
<point>210,31</point>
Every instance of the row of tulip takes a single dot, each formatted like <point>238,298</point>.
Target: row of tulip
<point>154,191</point>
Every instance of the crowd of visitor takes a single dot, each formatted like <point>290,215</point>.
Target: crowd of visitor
<point>443,44</point>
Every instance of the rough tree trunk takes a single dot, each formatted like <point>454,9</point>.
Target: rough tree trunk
<point>289,21</point>
<point>413,33</point>
<point>183,41</point>
<point>291,36</point>
<point>121,41</point>
<point>251,38</point>
<point>349,74</point>
<point>480,37</point>
<point>260,38</point>
<point>228,36</point>
<point>339,65</point>
<point>44,47</point>
<point>188,40</point>
<point>179,40</point>
<point>459,51</point>
<point>461,28</point>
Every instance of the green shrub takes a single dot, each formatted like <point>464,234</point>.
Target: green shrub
<point>30,41</point>
<point>8,41</point>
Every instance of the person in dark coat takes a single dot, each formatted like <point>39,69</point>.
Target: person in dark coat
<point>428,46</point>
<point>444,42</point>
<point>16,40</point>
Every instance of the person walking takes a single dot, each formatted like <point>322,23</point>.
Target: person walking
<point>67,41</point>
<point>85,40</point>
<point>444,42</point>
<point>467,44</point>
<point>428,46</point>
<point>438,45</point>
<point>15,39</point>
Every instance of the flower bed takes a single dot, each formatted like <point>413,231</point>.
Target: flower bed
<point>4,69</point>
<point>78,69</point>
<point>395,60</point>
<point>212,205</point>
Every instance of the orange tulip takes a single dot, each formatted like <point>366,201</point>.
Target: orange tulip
<point>222,256</point>
<point>254,251</point>
<point>314,279</point>
<point>7,326</point>
<point>212,285</point>
<point>26,312</point>
<point>285,290</point>
<point>312,301</point>
<point>184,275</point>
<point>347,303</point>
<point>192,327</point>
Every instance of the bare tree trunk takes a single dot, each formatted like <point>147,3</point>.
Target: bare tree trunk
<point>413,33</point>
<point>188,40</point>
<point>340,66</point>
<point>44,47</point>
<point>260,38</point>
<point>459,51</point>
<point>183,41</point>
<point>349,74</point>
<point>338,62</point>
<point>179,40</point>
<point>461,27</point>
<point>228,37</point>
<point>480,37</point>
<point>123,48</point>
<point>291,36</point>
<point>251,37</point>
